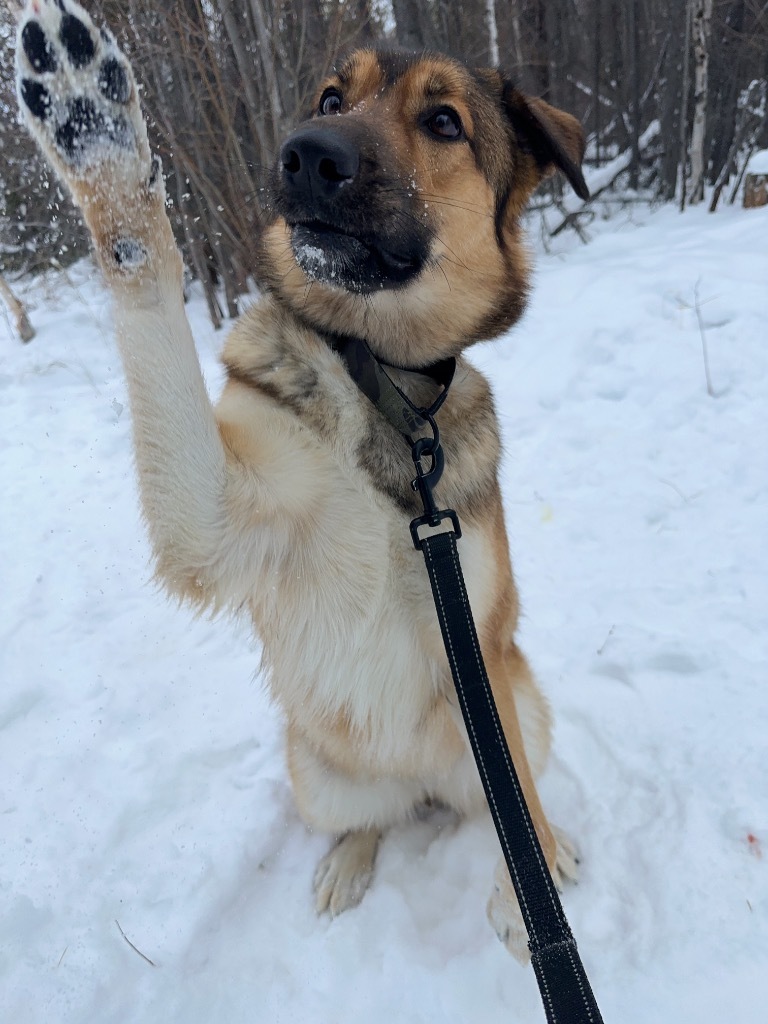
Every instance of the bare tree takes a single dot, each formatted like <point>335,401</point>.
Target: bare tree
<point>701,24</point>
<point>684,106</point>
<point>493,32</point>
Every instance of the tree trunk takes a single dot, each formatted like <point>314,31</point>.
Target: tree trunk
<point>684,104</point>
<point>270,74</point>
<point>700,27</point>
<point>726,81</point>
<point>410,25</point>
<point>493,32</point>
<point>195,247</point>
<point>597,60</point>
<point>246,69</point>
<point>634,91</point>
<point>517,45</point>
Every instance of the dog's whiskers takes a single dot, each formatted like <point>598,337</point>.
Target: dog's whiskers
<point>438,264</point>
<point>438,200</point>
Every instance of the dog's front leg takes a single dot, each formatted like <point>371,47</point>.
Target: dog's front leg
<point>80,100</point>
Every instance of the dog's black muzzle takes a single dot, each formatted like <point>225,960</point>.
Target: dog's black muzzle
<point>353,223</point>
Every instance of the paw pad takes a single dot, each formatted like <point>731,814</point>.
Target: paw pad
<point>86,126</point>
<point>113,81</point>
<point>39,51</point>
<point>129,253</point>
<point>77,41</point>
<point>36,97</point>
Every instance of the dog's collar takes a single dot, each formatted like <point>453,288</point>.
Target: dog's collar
<point>370,375</point>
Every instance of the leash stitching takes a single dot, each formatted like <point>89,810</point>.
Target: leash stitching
<point>502,741</point>
<point>478,747</point>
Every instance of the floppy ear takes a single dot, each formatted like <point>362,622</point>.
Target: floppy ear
<point>553,138</point>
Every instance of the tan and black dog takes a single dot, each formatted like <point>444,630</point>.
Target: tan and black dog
<point>397,209</point>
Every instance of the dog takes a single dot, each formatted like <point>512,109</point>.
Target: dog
<point>396,220</point>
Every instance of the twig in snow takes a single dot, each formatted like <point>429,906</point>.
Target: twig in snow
<point>143,957</point>
<point>58,965</point>
<point>605,642</point>
<point>683,497</point>
<point>697,307</point>
<point>22,322</point>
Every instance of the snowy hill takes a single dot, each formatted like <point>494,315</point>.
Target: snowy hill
<point>143,795</point>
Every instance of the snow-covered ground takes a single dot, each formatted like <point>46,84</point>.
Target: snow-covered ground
<point>142,786</point>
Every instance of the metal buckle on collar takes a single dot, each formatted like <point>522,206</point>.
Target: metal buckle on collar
<point>426,480</point>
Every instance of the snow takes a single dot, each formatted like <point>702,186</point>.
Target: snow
<point>142,777</point>
<point>311,254</point>
<point>758,162</point>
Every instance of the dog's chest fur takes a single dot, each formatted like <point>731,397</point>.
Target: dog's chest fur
<point>343,603</point>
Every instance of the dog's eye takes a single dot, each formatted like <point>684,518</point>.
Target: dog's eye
<point>445,123</point>
<point>330,102</point>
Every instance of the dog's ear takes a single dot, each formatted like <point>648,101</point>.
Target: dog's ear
<point>553,138</point>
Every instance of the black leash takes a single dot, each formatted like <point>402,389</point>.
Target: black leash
<point>563,983</point>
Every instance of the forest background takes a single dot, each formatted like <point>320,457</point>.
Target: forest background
<point>672,95</point>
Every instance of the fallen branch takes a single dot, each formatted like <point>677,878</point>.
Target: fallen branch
<point>601,179</point>
<point>24,327</point>
<point>134,948</point>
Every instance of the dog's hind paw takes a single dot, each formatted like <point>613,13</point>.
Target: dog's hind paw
<point>504,914</point>
<point>503,908</point>
<point>567,862</point>
<point>344,874</point>
<point>78,95</point>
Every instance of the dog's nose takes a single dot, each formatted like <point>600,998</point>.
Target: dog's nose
<point>318,162</point>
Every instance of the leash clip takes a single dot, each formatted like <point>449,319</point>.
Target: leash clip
<point>426,480</point>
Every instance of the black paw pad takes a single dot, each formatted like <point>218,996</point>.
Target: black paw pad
<point>129,253</point>
<point>36,97</point>
<point>37,48</point>
<point>113,81</point>
<point>83,122</point>
<point>87,126</point>
<point>77,41</point>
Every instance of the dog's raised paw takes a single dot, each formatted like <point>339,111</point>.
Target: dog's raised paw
<point>77,91</point>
